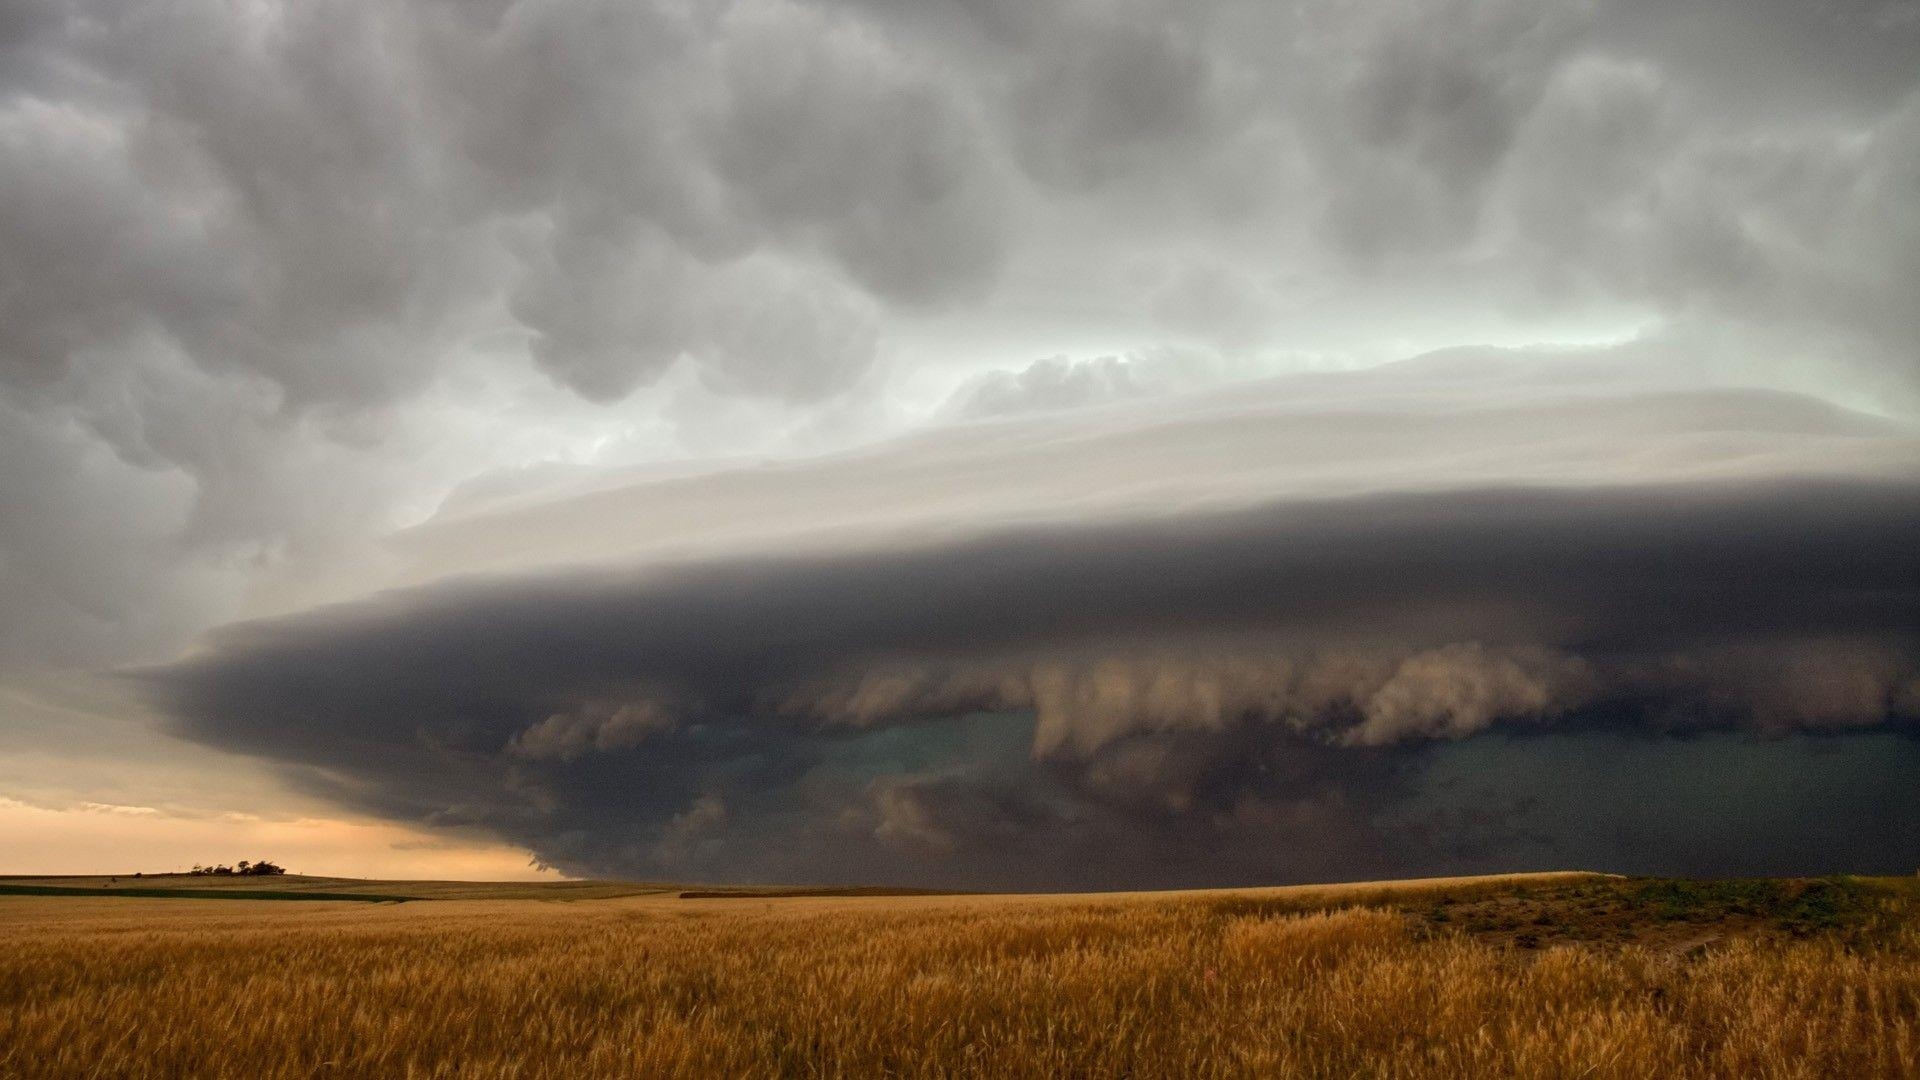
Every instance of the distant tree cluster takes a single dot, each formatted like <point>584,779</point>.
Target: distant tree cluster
<point>263,868</point>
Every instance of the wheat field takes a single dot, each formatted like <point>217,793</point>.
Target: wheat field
<point>1555,976</point>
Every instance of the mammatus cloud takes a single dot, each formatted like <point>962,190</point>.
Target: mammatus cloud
<point>249,253</point>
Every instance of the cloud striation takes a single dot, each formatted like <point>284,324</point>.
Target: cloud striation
<point>1191,677</point>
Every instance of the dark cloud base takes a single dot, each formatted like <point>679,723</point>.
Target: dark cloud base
<point>1346,688</point>
<point>1721,803</point>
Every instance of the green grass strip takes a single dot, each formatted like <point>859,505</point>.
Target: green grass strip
<point>199,894</point>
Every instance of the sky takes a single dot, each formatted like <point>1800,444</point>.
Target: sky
<point>969,443</point>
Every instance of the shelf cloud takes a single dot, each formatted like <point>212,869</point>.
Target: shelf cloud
<point>1166,675</point>
<point>976,441</point>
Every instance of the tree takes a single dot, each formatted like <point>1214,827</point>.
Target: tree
<point>259,868</point>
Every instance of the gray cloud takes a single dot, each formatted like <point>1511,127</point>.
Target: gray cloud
<point>274,281</point>
<point>340,208</point>
<point>335,193</point>
<point>1157,660</point>
<point>1467,418</point>
<point>1057,383</point>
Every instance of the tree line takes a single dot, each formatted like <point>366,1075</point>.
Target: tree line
<point>263,868</point>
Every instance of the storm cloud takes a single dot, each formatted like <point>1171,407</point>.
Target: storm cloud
<point>975,441</point>
<point>337,248</point>
<point>1155,659</point>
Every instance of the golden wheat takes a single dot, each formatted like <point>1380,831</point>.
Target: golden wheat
<point>1190,985</point>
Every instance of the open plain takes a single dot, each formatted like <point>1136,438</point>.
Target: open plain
<point>1572,975</point>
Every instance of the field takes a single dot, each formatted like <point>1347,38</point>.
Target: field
<point>1545,975</point>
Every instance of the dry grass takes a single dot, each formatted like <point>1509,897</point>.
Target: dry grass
<point>1273,983</point>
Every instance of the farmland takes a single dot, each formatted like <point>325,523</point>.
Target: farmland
<point>1543,975</point>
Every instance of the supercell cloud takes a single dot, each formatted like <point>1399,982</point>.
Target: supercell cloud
<point>976,442</point>
<point>940,703</point>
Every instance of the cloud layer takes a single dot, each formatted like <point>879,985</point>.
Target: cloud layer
<point>292,248</point>
<point>581,713</point>
<point>278,281</point>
